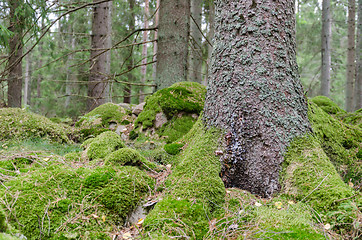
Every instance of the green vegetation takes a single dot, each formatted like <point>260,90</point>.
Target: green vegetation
<point>176,128</point>
<point>98,120</point>
<point>341,143</point>
<point>84,202</point>
<point>128,156</point>
<point>327,105</point>
<point>195,186</point>
<point>173,148</point>
<point>19,124</point>
<point>104,144</point>
<point>185,97</point>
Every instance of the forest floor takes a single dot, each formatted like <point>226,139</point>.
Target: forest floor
<point>115,174</point>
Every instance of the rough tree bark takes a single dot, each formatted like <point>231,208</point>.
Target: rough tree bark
<point>144,51</point>
<point>15,76</point>
<point>326,48</point>
<point>98,88</point>
<point>358,81</point>
<point>195,63</point>
<point>173,33</point>
<point>351,65</point>
<point>254,92</point>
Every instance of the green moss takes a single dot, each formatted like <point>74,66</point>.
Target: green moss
<point>173,148</point>
<point>86,143</point>
<point>73,156</point>
<point>104,114</point>
<point>327,105</point>
<point>104,144</point>
<point>84,203</point>
<point>310,176</point>
<point>18,124</point>
<point>194,185</point>
<point>97,121</point>
<point>176,128</point>
<point>5,236</point>
<point>128,156</point>
<point>352,118</point>
<point>180,97</point>
<point>3,224</point>
<point>341,142</point>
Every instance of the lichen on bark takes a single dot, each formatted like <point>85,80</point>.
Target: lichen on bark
<point>254,92</point>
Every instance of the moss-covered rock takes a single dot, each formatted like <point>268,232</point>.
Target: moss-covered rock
<point>19,124</point>
<point>327,105</point>
<point>195,186</point>
<point>185,97</point>
<point>96,121</point>
<point>59,202</point>
<point>128,156</point>
<point>176,127</point>
<point>341,142</point>
<point>104,144</point>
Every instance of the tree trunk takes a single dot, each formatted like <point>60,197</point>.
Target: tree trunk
<point>27,80</point>
<point>254,92</point>
<point>127,90</point>
<point>358,81</point>
<point>210,36</point>
<point>196,37</point>
<point>173,33</point>
<point>15,77</point>
<point>154,65</point>
<point>71,76</point>
<point>144,51</point>
<point>351,66</point>
<point>98,87</point>
<point>326,48</point>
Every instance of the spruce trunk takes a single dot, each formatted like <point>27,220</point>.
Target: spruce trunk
<point>254,92</point>
<point>173,34</point>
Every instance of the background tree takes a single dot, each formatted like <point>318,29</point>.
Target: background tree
<point>358,81</point>
<point>326,48</point>
<point>196,55</point>
<point>172,50</point>
<point>15,75</point>
<point>254,92</point>
<point>351,66</point>
<point>98,87</point>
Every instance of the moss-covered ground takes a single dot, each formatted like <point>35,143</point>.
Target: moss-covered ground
<point>52,188</point>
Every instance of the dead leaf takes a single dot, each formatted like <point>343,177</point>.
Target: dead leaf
<point>104,218</point>
<point>258,204</point>
<point>127,236</point>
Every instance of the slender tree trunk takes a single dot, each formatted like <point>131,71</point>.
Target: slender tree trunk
<point>358,81</point>
<point>210,36</point>
<point>351,66</point>
<point>127,90</point>
<point>98,87</point>
<point>27,80</point>
<point>15,77</point>
<point>71,76</point>
<point>144,51</point>
<point>196,37</point>
<point>154,65</point>
<point>173,33</point>
<point>254,92</point>
<point>326,48</point>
